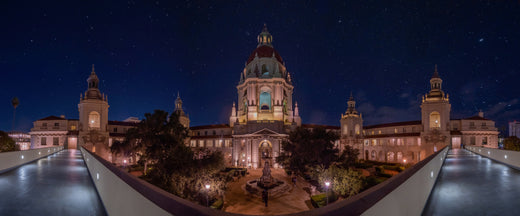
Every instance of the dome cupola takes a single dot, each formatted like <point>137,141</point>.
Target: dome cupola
<point>265,38</point>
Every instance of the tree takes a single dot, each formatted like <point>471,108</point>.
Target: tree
<point>306,148</point>
<point>159,140</point>
<point>15,102</point>
<point>7,143</point>
<point>124,148</point>
<point>344,182</point>
<point>156,138</point>
<point>348,157</point>
<point>512,143</point>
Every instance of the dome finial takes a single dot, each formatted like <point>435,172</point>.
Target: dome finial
<point>93,69</point>
<point>436,73</point>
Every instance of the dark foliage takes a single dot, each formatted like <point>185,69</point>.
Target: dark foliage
<point>306,148</point>
<point>6,143</point>
<point>512,143</point>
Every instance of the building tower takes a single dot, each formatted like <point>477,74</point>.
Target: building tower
<point>435,116</point>
<point>93,118</point>
<point>351,126</point>
<point>184,119</point>
<point>265,88</point>
<point>264,112</point>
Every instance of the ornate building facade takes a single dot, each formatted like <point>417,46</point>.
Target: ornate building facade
<point>265,113</point>
<point>410,142</point>
<point>263,116</point>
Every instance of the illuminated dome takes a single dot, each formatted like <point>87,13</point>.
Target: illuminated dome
<point>265,62</point>
<point>264,51</point>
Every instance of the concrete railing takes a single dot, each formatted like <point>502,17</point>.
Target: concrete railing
<point>10,160</point>
<point>511,158</point>
<point>124,194</point>
<point>403,194</point>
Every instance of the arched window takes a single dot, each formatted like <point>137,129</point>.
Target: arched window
<point>265,101</point>
<point>390,156</point>
<point>93,119</point>
<point>345,130</point>
<point>265,70</point>
<point>357,129</point>
<point>373,155</point>
<point>435,120</point>
<point>399,156</point>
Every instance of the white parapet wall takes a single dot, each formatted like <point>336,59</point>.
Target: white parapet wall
<point>511,158</point>
<point>10,160</point>
<point>411,196</point>
<point>403,194</point>
<point>123,194</point>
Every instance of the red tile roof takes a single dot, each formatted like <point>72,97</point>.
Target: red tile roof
<point>215,126</point>
<point>52,118</point>
<point>393,135</point>
<point>476,118</point>
<point>332,127</point>
<point>395,124</point>
<point>264,51</point>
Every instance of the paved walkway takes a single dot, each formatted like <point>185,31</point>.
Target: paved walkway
<point>470,184</point>
<point>55,185</point>
<point>237,200</point>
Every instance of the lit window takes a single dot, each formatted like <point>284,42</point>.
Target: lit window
<point>227,143</point>
<point>435,120</point>
<point>93,119</point>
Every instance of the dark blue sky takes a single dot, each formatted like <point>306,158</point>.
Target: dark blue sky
<point>146,51</point>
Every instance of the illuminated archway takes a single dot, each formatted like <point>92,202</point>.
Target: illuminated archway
<point>93,119</point>
<point>265,151</point>
<point>435,120</point>
<point>390,156</point>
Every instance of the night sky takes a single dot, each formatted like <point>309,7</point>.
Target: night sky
<point>383,52</point>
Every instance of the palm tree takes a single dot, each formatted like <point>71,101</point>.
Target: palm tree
<point>15,102</point>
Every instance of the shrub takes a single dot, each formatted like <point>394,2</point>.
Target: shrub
<point>371,181</point>
<point>320,200</point>
<point>217,204</point>
<point>385,175</point>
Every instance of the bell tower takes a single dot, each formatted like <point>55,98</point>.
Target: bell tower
<point>93,118</point>
<point>435,115</point>
<point>184,119</point>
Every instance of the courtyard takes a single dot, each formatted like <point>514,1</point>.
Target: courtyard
<point>238,200</point>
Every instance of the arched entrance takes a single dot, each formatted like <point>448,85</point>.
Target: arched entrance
<point>265,151</point>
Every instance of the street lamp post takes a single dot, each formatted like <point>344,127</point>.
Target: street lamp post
<point>327,184</point>
<point>207,195</point>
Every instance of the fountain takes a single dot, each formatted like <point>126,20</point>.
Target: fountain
<point>267,182</point>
